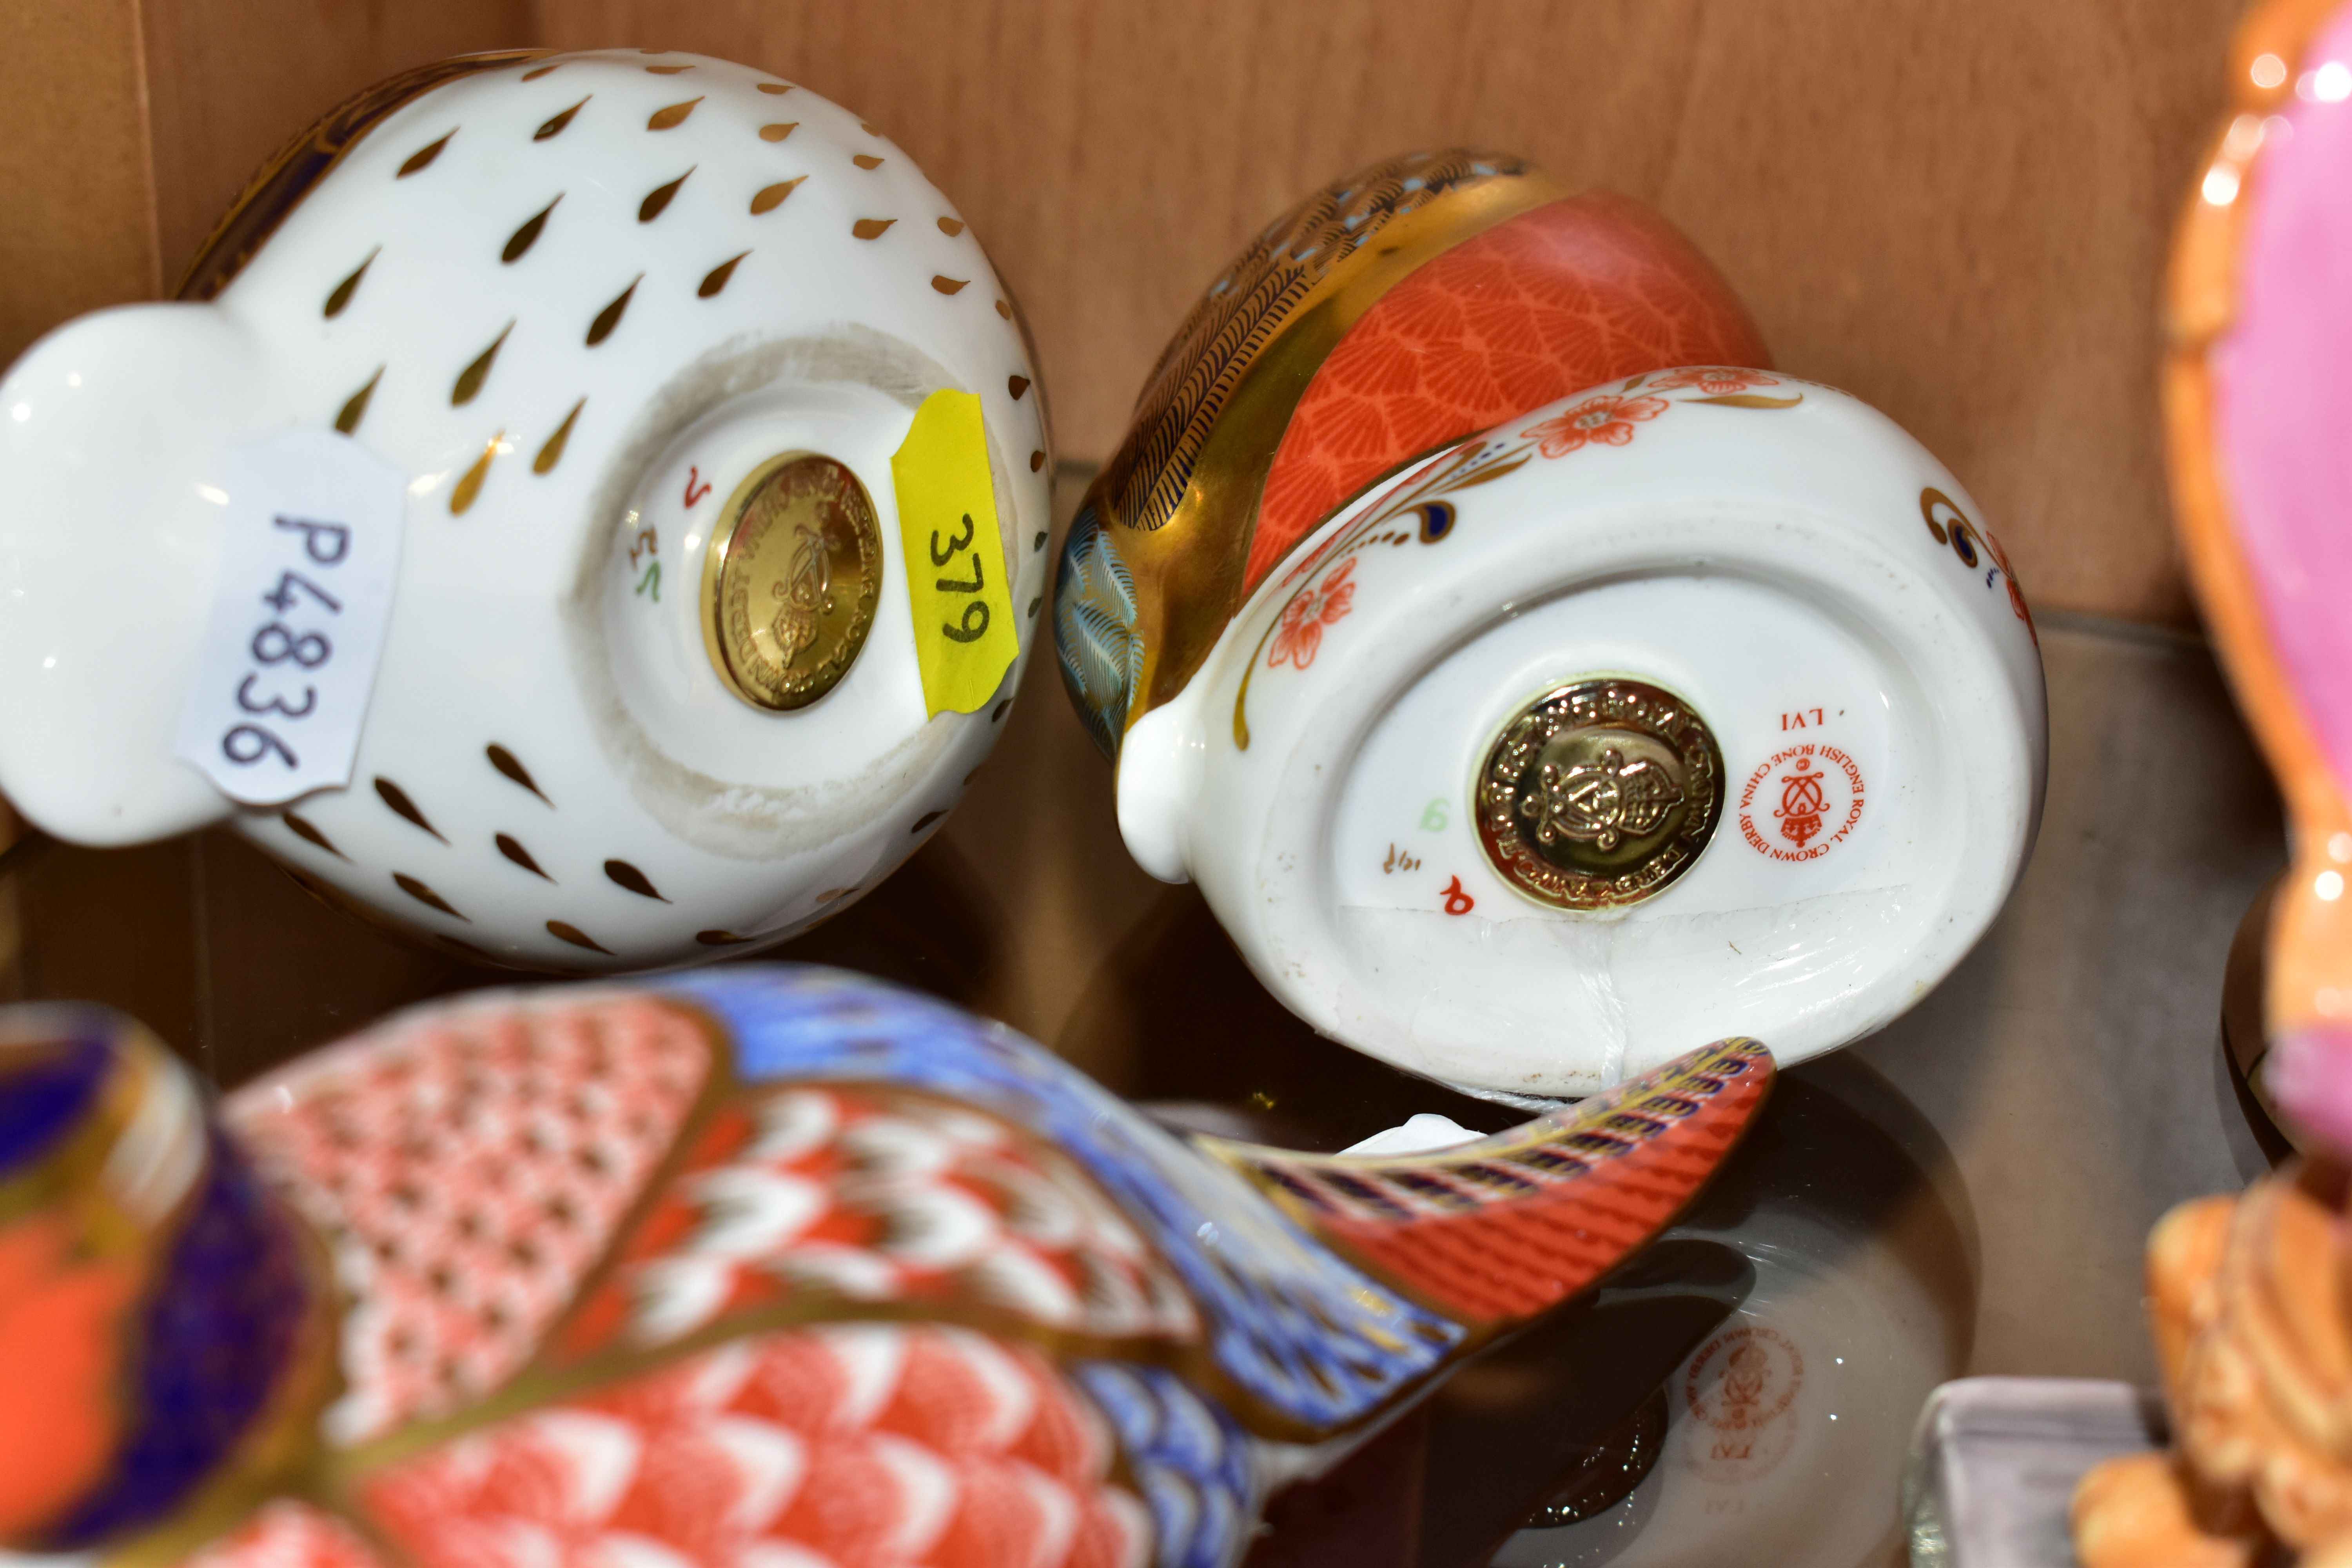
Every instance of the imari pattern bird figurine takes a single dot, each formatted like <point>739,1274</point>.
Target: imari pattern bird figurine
<point>1467,585</point>
<point>773,1269</point>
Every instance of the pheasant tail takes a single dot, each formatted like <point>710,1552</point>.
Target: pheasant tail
<point>1500,1229</point>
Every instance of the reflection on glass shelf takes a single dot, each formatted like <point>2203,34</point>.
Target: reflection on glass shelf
<point>2069,1066</point>
<point>1785,1419</point>
<point>1995,1461</point>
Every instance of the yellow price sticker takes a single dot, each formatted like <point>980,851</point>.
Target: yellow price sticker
<point>965,637</point>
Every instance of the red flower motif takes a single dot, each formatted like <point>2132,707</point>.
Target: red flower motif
<point>1608,418</point>
<point>1715,380</point>
<point>1300,635</point>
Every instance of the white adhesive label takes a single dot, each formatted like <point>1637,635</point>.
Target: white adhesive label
<point>309,555</point>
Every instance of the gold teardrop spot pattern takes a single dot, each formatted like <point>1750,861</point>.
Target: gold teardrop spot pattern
<point>509,764</point>
<point>512,847</point>
<point>399,800</point>
<point>926,820</point>
<point>830,894</point>
<point>556,122</point>
<point>422,159</point>
<point>720,939</point>
<point>867,128</point>
<point>651,207</point>
<point>947,285</point>
<point>302,828</point>
<point>866,161</point>
<point>610,316</point>
<point>871,227</point>
<point>469,381</point>
<point>1016,385</point>
<point>1036,462</point>
<point>425,896</point>
<point>535,75</point>
<point>769,199</point>
<point>718,276</point>
<point>775,88</point>
<point>564,931</point>
<point>779,131</point>
<point>347,286</point>
<point>527,234</point>
<point>1004,310</point>
<point>670,119</point>
<point>461,500</point>
<point>951,227</point>
<point>623,875</point>
<point>551,453</point>
<point>666,70</point>
<point>355,407</point>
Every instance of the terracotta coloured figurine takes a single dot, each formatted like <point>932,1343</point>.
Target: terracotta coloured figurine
<point>2246,1296</point>
<point>779,1267</point>
<point>1531,678</point>
<point>587,510</point>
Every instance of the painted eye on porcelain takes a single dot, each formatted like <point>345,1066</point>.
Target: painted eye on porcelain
<point>718,489</point>
<point>1518,745</point>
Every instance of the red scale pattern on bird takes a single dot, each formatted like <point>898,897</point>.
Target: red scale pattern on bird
<point>467,1172</point>
<point>1574,293</point>
<point>840,1447</point>
<point>879,1195</point>
<point>1499,1232</point>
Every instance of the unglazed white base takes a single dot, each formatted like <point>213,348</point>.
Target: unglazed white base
<point>1769,565</point>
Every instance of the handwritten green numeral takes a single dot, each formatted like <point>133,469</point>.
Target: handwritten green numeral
<point>1434,819</point>
<point>651,582</point>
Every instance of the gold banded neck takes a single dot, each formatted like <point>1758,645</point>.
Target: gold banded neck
<point>1190,571</point>
<point>790,580</point>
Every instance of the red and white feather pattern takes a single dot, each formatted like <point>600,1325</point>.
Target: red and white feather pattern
<point>289,1534</point>
<point>879,1195</point>
<point>1508,1226</point>
<point>468,1169</point>
<point>864,1446</point>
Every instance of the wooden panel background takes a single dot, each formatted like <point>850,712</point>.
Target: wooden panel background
<point>1955,208</point>
<point>75,179</point>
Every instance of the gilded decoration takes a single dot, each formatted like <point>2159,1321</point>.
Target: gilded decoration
<point>1179,500</point>
<point>651,1268</point>
<point>1600,794</point>
<point>278,187</point>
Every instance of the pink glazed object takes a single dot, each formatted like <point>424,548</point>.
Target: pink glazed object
<point>2261,321</point>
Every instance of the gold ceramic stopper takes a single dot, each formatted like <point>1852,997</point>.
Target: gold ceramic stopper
<point>1598,793</point>
<point>791,580</point>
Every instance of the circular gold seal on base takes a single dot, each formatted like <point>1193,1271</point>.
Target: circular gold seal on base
<point>791,580</point>
<point>1598,793</point>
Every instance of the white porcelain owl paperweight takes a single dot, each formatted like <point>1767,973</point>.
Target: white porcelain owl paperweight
<point>587,510</point>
